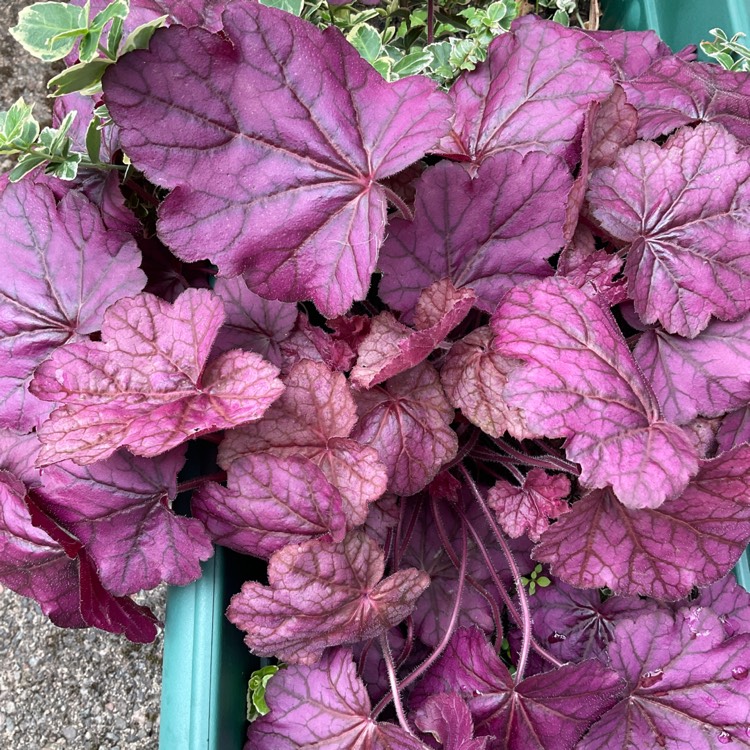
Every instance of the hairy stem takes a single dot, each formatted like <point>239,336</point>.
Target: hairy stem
<point>545,462</point>
<point>403,209</point>
<point>393,681</point>
<point>191,484</point>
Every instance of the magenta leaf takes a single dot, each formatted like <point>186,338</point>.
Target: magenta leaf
<point>673,92</point>
<point>63,269</point>
<point>487,233</point>
<point>323,594</point>
<point>687,232</point>
<point>252,323</point>
<point>734,429</point>
<point>687,685</point>
<point>314,418</point>
<point>308,341</point>
<point>548,711</point>
<point>446,717</point>
<point>270,502</point>
<point>407,420</point>
<point>579,381</point>
<point>527,509</point>
<point>530,94</point>
<point>730,602</point>
<point>575,624</point>
<point>633,52</point>
<point>144,386</point>
<point>120,510</point>
<point>325,706</point>
<point>310,222</point>
<point>474,376</point>
<point>390,347</point>
<point>692,540</point>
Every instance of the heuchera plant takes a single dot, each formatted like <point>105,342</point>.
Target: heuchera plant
<point>445,342</point>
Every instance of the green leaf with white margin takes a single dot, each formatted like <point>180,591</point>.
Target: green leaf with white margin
<point>25,164</point>
<point>67,169</point>
<point>55,140</point>
<point>411,64</point>
<point>18,128</point>
<point>141,36</point>
<point>85,77</point>
<point>49,30</point>
<point>256,691</point>
<point>561,17</point>
<point>367,41</point>
<point>114,38</point>
<point>290,6</point>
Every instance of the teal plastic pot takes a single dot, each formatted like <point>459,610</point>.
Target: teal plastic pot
<point>206,664</point>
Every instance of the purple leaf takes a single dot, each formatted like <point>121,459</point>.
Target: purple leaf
<point>119,509</point>
<point>144,385</point>
<point>407,420</point>
<point>549,711</point>
<point>575,624</point>
<point>252,323</point>
<point>314,418</point>
<point>530,94</point>
<point>687,232</point>
<point>527,509</point>
<point>633,52</point>
<point>390,347</point>
<point>270,502</point>
<point>308,341</point>
<point>579,381</point>
<point>298,109</point>
<point>730,602</point>
<point>734,429</point>
<point>488,233</point>
<point>707,375</point>
<point>446,717</point>
<point>687,686</point>
<point>474,377</point>
<point>323,594</point>
<point>692,540</point>
<point>324,706</point>
<point>673,92</point>
<point>63,269</point>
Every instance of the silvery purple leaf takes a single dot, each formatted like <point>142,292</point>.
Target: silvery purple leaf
<point>273,150</point>
<point>633,52</point>
<point>734,429</point>
<point>687,230</point>
<point>579,381</point>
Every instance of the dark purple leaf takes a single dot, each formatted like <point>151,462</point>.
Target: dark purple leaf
<point>324,706</point>
<point>730,602</point>
<point>144,385</point>
<point>692,540</point>
<point>298,109</point>
<point>270,502</point>
<point>446,717</point>
<point>579,381</point>
<point>487,232</point>
<point>531,93</point>
<point>62,270</point>
<point>687,685</point>
<point>734,429</point>
<point>314,418</point>
<point>687,231</point>
<point>549,711</point>
<point>120,510</point>
<point>407,420</point>
<point>323,594</point>
<point>707,375</point>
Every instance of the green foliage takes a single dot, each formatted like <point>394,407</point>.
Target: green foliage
<point>256,691</point>
<point>729,53</point>
<point>535,579</point>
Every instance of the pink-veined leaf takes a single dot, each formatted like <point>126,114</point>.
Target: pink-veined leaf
<point>252,323</point>
<point>144,385</point>
<point>323,594</point>
<point>687,685</point>
<point>673,93</point>
<point>407,420</point>
<point>549,711</point>
<point>530,94</point>
<point>446,717</point>
<point>692,540</point>
<point>324,706</point>
<point>63,268</point>
<point>298,109</point>
<point>579,381</point>
<point>120,510</point>
<point>488,233</point>
<point>474,377</point>
<point>527,509</point>
<point>688,233</point>
<point>308,341</point>
<point>270,502</point>
<point>314,418</point>
<point>391,347</point>
<point>708,375</point>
